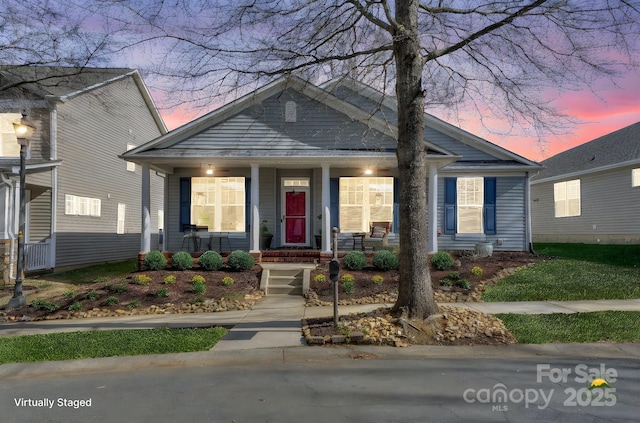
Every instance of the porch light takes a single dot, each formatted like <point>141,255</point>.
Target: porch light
<point>368,171</point>
<point>23,131</point>
<point>209,170</point>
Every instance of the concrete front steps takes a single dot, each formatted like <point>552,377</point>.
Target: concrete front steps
<point>285,278</point>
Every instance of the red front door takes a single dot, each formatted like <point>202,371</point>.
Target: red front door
<point>295,218</point>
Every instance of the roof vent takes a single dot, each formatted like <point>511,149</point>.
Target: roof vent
<point>290,111</point>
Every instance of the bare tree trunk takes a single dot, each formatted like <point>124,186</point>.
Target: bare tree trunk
<point>415,296</point>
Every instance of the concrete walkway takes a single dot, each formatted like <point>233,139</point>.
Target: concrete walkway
<point>275,321</point>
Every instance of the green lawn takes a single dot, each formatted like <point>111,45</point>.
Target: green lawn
<point>612,326</point>
<point>577,272</point>
<point>108,343</point>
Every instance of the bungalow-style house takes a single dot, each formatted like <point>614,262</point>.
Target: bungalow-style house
<point>82,201</point>
<point>590,193</point>
<point>299,159</point>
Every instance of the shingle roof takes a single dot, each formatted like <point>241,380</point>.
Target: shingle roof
<point>620,146</point>
<point>60,81</point>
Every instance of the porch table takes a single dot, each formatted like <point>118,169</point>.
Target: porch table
<point>358,236</point>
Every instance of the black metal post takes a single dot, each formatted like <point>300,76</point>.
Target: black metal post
<point>18,299</point>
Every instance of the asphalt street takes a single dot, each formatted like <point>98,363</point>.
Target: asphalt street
<point>360,389</point>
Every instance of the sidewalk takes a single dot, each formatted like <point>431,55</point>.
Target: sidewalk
<point>275,320</point>
<point>271,333</point>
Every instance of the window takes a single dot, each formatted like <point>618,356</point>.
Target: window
<point>218,203</point>
<point>635,177</point>
<point>131,167</point>
<point>9,146</point>
<point>470,205</point>
<point>160,220</point>
<point>82,206</point>
<point>566,196</point>
<point>122,208</point>
<point>363,201</point>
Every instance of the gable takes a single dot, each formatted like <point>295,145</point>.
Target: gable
<point>263,125</point>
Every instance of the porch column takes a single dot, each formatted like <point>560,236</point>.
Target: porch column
<point>326,209</point>
<point>254,239</point>
<point>145,244</point>
<point>432,206</point>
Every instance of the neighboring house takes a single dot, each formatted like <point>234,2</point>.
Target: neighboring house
<point>83,201</point>
<point>302,159</point>
<point>590,193</point>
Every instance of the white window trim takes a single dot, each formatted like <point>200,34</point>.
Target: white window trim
<point>563,193</point>
<point>478,207</point>
<point>121,219</point>
<point>131,166</point>
<point>364,208</point>
<point>217,203</point>
<point>635,177</point>
<point>82,206</point>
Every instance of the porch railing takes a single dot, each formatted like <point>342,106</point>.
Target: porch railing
<point>37,255</point>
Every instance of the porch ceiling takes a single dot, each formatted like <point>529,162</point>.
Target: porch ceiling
<point>167,161</point>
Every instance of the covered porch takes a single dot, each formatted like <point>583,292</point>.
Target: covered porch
<point>233,203</point>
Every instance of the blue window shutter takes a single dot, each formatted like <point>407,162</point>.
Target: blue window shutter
<point>185,202</point>
<point>489,212</point>
<point>334,204</point>
<point>247,204</point>
<point>395,226</point>
<point>450,199</point>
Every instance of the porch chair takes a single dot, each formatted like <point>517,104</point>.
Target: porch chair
<point>190,236</point>
<point>378,236</point>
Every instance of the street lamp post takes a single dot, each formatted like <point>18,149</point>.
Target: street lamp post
<point>23,133</point>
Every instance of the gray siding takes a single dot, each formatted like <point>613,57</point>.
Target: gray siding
<point>39,216</point>
<point>510,217</point>
<point>609,210</point>
<point>94,128</point>
<point>263,126</point>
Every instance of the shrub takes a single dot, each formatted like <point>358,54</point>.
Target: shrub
<point>45,305</point>
<point>77,306</point>
<point>169,279</point>
<point>92,295</point>
<point>454,276</point>
<point>155,260</point>
<point>210,260</point>
<point>463,283</point>
<point>120,288</point>
<point>162,292</point>
<point>69,294</point>
<point>385,260</point>
<point>199,287</point>
<point>240,260</point>
<point>133,304</point>
<point>199,299</point>
<point>227,281</point>
<point>476,271</point>
<point>354,260</point>
<point>442,260</point>
<point>446,282</point>
<point>320,278</point>
<point>198,278</point>
<point>142,279</point>
<point>347,277</point>
<point>182,260</point>
<point>111,301</point>
<point>377,279</point>
<point>348,283</point>
<point>348,286</point>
